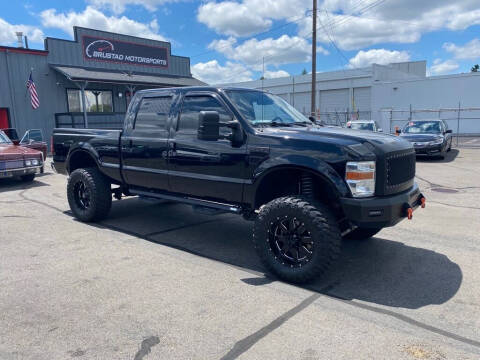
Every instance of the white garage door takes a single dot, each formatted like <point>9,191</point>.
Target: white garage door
<point>334,100</point>
<point>302,102</point>
<point>361,97</point>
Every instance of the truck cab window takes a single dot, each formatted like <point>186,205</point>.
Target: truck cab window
<point>192,105</point>
<point>153,113</point>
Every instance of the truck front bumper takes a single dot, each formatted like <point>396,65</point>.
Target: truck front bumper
<point>379,212</point>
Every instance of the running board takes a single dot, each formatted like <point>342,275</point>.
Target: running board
<point>188,200</point>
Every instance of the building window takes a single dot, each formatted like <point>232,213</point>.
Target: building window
<point>97,100</point>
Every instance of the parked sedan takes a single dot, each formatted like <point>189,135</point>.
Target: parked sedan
<point>17,160</point>
<point>367,125</point>
<point>32,139</point>
<point>429,137</point>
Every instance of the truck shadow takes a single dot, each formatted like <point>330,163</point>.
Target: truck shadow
<point>377,270</point>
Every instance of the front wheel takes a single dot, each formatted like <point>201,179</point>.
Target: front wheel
<point>296,239</point>
<point>362,233</point>
<point>89,194</point>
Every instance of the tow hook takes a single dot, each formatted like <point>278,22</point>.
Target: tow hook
<point>408,211</point>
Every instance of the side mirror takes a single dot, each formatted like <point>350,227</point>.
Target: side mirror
<point>398,131</point>
<point>16,142</point>
<point>449,131</point>
<point>208,126</point>
<point>312,119</point>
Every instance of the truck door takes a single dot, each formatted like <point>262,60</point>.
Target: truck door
<point>206,169</point>
<point>145,145</point>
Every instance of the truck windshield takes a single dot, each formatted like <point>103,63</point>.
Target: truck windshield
<point>263,109</point>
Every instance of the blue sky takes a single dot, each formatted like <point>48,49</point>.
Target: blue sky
<point>227,40</point>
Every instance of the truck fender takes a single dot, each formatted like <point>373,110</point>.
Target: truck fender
<point>85,147</point>
<point>317,166</point>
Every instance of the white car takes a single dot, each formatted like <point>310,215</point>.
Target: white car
<point>367,125</point>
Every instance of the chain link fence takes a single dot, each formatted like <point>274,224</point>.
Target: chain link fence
<point>463,121</point>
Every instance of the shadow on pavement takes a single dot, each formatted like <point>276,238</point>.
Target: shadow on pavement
<point>12,184</point>
<point>378,270</point>
<point>449,157</point>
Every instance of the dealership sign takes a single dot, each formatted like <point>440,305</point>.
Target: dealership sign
<point>123,52</point>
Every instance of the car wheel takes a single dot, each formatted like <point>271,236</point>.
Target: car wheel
<point>296,239</point>
<point>27,178</point>
<point>42,170</point>
<point>362,233</point>
<point>89,194</point>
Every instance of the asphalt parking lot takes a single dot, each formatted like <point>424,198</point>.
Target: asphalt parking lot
<point>158,281</point>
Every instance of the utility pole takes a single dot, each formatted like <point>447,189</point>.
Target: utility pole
<point>314,58</point>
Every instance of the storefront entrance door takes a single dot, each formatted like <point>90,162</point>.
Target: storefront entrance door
<point>4,121</point>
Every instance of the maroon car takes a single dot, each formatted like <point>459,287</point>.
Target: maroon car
<point>17,160</point>
<point>32,139</point>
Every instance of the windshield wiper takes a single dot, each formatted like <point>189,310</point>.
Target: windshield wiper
<point>273,124</point>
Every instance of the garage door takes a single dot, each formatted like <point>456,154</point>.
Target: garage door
<point>302,102</point>
<point>334,100</point>
<point>361,97</point>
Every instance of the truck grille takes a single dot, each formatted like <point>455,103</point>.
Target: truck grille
<point>400,170</point>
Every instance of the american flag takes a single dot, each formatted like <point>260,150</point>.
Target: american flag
<point>33,93</point>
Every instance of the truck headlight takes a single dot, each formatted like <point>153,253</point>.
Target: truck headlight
<point>360,178</point>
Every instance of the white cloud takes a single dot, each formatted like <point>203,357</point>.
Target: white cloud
<point>212,72</point>
<point>118,6</point>
<point>445,67</point>
<point>283,50</point>
<point>470,50</point>
<point>377,56</point>
<point>355,24</point>
<point>276,74</point>
<point>248,16</point>
<point>93,18</point>
<point>8,37</point>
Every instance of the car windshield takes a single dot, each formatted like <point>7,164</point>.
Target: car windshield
<point>4,138</point>
<point>361,126</point>
<point>263,109</point>
<point>422,127</point>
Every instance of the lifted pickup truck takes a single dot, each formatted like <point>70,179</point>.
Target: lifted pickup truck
<point>306,187</point>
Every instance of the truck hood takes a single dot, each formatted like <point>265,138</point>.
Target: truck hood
<point>340,136</point>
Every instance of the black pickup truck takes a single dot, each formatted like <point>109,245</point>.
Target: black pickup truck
<point>305,186</point>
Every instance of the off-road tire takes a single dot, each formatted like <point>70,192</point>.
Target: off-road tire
<point>27,178</point>
<point>322,226</point>
<point>361,234</point>
<point>100,193</point>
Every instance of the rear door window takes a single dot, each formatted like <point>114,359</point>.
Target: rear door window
<point>153,113</point>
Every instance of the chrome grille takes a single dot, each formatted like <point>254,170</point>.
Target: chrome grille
<point>11,164</point>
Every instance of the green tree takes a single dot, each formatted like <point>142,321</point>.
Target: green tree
<point>262,78</point>
<point>476,68</point>
<point>304,72</point>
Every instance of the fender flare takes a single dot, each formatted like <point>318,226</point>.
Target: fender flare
<point>82,147</point>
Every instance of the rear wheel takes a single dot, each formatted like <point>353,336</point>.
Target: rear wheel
<point>362,233</point>
<point>296,239</point>
<point>89,194</point>
<point>27,178</point>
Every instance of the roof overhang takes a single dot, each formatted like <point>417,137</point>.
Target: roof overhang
<point>121,77</point>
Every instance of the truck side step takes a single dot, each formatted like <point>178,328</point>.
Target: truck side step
<point>189,200</point>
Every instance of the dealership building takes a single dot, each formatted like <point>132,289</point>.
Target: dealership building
<point>389,94</point>
<point>89,80</point>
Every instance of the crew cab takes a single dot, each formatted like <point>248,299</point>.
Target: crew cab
<point>18,161</point>
<point>305,186</point>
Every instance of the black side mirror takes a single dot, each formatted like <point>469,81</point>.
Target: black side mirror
<point>398,131</point>
<point>16,142</point>
<point>209,128</point>
<point>449,131</point>
<point>208,125</point>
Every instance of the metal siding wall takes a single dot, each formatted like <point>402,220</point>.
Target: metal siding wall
<point>334,100</point>
<point>70,53</point>
<point>362,98</point>
<point>302,102</point>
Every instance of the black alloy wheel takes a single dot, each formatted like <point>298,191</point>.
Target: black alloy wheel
<point>291,241</point>
<point>81,195</point>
